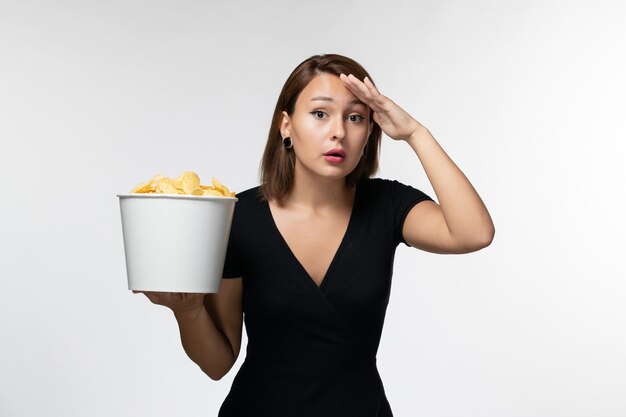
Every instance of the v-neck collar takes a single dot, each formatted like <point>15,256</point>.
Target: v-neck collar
<point>337,254</point>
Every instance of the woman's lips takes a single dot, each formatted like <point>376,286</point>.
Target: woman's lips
<point>335,155</point>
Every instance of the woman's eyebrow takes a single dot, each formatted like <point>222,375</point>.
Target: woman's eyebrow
<point>324,98</point>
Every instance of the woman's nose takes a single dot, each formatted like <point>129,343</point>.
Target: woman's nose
<point>340,131</point>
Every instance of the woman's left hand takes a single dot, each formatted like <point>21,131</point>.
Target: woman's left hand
<point>392,119</point>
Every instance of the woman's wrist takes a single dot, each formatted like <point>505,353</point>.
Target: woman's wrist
<point>418,135</point>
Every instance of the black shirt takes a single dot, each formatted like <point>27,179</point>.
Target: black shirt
<point>312,350</point>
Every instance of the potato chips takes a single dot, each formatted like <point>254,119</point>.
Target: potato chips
<point>187,183</point>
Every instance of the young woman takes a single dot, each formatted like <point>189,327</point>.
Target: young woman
<point>311,250</point>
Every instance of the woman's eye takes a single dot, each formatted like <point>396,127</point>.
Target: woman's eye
<point>319,114</point>
<point>355,117</point>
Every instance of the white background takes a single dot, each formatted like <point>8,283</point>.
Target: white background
<point>527,97</point>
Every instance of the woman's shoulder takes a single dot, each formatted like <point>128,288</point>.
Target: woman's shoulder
<point>248,212</point>
<point>381,184</point>
<point>391,189</point>
<point>248,201</point>
<point>251,194</point>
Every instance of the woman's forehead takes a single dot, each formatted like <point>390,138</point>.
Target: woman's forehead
<point>327,88</point>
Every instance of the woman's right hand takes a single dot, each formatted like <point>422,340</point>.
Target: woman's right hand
<point>182,304</point>
<point>210,324</point>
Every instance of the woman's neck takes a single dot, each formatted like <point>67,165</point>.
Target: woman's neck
<point>320,193</point>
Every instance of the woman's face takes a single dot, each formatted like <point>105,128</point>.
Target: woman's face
<point>329,128</point>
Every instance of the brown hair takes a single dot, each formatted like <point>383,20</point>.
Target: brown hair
<point>278,163</point>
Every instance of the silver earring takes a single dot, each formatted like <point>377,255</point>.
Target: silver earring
<point>287,142</point>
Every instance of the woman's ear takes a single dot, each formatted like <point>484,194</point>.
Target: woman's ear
<point>285,124</point>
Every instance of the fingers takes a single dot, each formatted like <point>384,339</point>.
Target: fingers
<point>364,91</point>
<point>153,297</point>
<point>370,85</point>
<point>170,299</point>
<point>357,87</point>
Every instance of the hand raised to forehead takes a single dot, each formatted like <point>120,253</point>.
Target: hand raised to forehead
<point>392,119</point>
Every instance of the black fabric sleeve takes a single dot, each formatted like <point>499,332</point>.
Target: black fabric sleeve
<point>232,264</point>
<point>404,198</point>
<point>232,267</point>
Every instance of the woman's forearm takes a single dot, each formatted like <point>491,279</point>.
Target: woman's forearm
<point>465,214</point>
<point>205,344</point>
